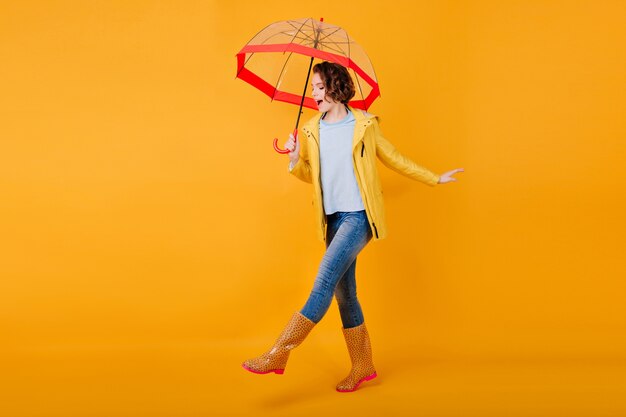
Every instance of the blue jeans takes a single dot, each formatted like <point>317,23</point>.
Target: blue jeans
<point>347,233</point>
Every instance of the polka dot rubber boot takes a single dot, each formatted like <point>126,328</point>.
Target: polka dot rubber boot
<point>275,359</point>
<point>360,350</point>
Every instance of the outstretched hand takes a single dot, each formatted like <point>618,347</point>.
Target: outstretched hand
<point>447,176</point>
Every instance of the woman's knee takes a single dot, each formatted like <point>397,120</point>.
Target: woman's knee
<point>344,296</point>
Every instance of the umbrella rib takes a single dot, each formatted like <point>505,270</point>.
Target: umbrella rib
<point>358,83</point>
<point>280,75</point>
<point>336,44</point>
<point>281,33</point>
<point>290,53</point>
<point>299,30</point>
<point>331,33</point>
<point>244,64</point>
<point>327,46</point>
<point>356,77</point>
<point>307,38</point>
<point>265,40</point>
<point>312,26</point>
<point>348,38</point>
<point>317,39</point>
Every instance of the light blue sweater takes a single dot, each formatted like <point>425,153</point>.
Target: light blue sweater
<point>340,190</point>
<point>339,187</point>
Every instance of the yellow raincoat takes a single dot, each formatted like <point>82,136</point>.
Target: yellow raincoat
<point>367,144</point>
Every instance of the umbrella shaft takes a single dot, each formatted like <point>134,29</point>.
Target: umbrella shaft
<point>308,74</point>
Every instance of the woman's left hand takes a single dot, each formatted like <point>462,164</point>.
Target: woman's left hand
<point>447,176</point>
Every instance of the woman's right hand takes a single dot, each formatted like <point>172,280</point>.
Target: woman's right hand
<point>293,146</point>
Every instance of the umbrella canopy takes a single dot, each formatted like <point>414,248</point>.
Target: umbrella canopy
<point>278,59</point>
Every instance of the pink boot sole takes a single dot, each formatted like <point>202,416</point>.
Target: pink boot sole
<point>367,378</point>
<point>276,371</point>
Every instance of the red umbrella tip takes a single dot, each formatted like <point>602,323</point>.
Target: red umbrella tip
<point>321,19</point>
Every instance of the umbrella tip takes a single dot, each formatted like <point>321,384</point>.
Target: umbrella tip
<point>321,19</point>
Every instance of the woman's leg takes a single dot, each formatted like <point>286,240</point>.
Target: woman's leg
<point>347,235</point>
<point>345,293</point>
<point>355,333</point>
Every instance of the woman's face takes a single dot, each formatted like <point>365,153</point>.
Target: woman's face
<point>324,103</point>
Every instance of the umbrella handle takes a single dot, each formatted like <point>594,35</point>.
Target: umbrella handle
<point>284,151</point>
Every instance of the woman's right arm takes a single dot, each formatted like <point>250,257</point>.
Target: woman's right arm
<point>299,159</point>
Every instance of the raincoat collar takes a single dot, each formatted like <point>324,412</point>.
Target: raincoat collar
<point>362,121</point>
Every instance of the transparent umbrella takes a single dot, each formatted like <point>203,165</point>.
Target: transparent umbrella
<point>278,58</point>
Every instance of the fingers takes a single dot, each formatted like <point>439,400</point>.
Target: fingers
<point>290,144</point>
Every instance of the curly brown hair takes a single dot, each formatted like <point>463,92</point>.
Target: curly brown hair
<point>337,81</point>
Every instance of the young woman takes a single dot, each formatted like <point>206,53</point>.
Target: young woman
<point>338,157</point>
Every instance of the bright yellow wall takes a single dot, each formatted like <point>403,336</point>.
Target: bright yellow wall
<point>142,201</point>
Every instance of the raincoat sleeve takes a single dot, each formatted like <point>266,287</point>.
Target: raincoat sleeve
<point>394,160</point>
<point>302,168</point>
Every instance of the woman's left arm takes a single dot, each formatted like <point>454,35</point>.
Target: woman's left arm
<point>393,159</point>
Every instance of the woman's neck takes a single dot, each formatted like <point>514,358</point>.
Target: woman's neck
<point>336,113</point>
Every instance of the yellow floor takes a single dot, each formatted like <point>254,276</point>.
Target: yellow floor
<point>200,379</point>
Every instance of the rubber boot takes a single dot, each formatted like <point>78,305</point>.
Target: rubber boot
<point>360,349</point>
<point>275,359</point>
